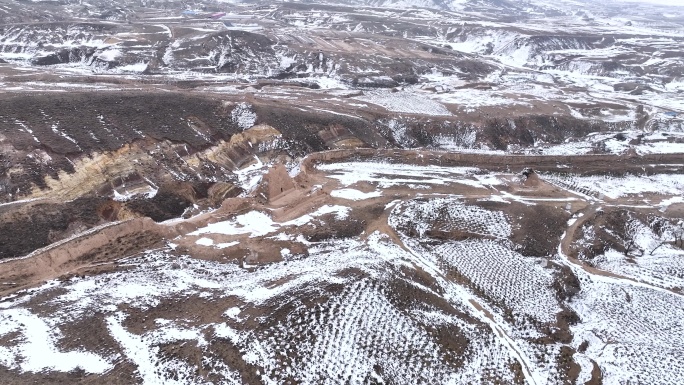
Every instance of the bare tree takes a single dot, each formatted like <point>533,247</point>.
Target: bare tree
<point>667,233</point>
<point>631,231</point>
<point>661,228</point>
<point>678,234</point>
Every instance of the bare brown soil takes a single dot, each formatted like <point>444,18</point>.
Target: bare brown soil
<point>297,199</point>
<point>179,141</point>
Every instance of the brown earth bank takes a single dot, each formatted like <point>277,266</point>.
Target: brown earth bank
<point>579,164</point>
<point>169,153</point>
<point>50,220</point>
<point>98,230</point>
<point>134,167</point>
<point>44,137</point>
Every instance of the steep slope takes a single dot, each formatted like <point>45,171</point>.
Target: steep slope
<point>356,192</point>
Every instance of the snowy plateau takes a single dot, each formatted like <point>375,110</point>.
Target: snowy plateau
<point>342,192</point>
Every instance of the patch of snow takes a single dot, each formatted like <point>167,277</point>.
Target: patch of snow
<point>354,195</point>
<point>244,116</point>
<point>406,102</point>
<point>35,350</point>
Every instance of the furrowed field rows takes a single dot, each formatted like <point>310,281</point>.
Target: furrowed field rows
<point>447,214</point>
<point>629,331</point>
<point>502,275</point>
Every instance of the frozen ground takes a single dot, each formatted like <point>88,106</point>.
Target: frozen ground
<point>434,287</point>
<point>475,192</point>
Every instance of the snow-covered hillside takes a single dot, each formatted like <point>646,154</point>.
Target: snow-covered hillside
<point>341,192</point>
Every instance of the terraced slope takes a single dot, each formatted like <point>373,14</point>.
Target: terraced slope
<point>363,192</point>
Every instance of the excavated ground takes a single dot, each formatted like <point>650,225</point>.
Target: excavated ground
<point>538,225</point>
<point>128,154</point>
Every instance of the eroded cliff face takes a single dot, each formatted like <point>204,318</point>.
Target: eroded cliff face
<point>95,157</point>
<point>72,145</point>
<point>380,191</point>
